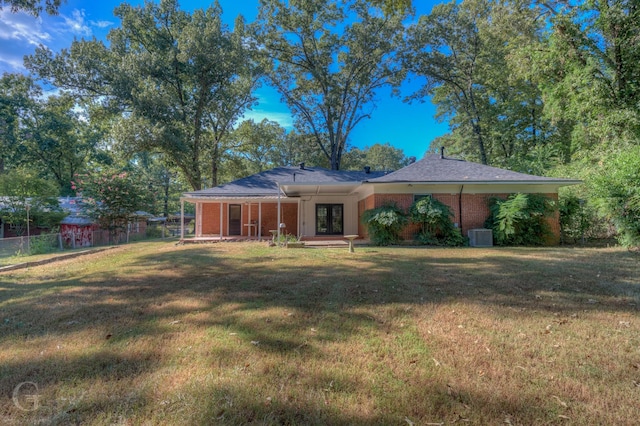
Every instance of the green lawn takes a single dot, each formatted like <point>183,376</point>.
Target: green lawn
<point>238,333</point>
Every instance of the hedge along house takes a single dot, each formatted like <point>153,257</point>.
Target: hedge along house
<point>316,203</point>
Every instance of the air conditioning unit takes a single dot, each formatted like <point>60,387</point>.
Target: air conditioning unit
<point>480,237</point>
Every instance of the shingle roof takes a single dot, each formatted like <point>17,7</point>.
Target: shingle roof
<point>266,183</point>
<point>433,168</point>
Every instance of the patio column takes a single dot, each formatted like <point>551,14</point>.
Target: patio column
<point>221,212</point>
<point>278,224</point>
<point>182,218</point>
<point>198,219</point>
<point>249,221</point>
<point>259,230</point>
<point>299,219</point>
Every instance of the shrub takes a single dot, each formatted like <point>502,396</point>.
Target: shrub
<point>435,222</point>
<point>616,189</point>
<point>385,224</point>
<point>520,219</point>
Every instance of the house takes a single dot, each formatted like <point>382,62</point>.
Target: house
<point>79,230</point>
<point>316,203</point>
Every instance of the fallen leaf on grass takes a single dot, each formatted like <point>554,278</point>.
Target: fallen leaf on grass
<point>409,422</point>
<point>436,362</point>
<point>564,417</point>
<point>564,404</point>
<point>255,342</point>
<point>174,322</point>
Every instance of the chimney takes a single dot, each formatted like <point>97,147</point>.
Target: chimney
<point>367,169</point>
<point>442,152</point>
<point>301,166</point>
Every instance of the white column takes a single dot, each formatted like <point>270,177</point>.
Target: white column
<point>221,213</point>
<point>249,221</point>
<point>181,218</point>
<point>259,230</point>
<point>299,219</point>
<point>278,214</point>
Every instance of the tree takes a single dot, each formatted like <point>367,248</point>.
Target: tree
<point>111,197</point>
<point>178,81</point>
<point>464,52</point>
<point>58,140</point>
<point>33,7</point>
<point>588,71</point>
<point>616,189</point>
<point>327,61</point>
<point>257,144</point>
<point>393,6</point>
<point>21,190</point>
<point>446,48</point>
<point>17,102</point>
<point>383,157</point>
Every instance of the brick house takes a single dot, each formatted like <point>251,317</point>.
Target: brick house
<point>316,203</point>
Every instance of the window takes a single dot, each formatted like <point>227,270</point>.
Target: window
<point>418,197</point>
<point>329,219</point>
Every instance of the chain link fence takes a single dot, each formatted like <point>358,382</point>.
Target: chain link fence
<point>69,240</point>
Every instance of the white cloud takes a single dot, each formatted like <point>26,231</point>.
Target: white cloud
<point>101,24</point>
<point>22,28</point>
<point>282,118</point>
<point>76,24</point>
<point>19,35</point>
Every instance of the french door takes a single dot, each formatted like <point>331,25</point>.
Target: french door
<point>329,219</point>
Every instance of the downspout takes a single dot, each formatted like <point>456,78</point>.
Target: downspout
<point>221,221</point>
<point>460,207</point>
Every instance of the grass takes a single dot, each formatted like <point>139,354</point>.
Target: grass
<point>239,333</point>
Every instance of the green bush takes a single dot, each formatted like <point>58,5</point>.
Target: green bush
<point>42,244</point>
<point>616,190</point>
<point>520,219</point>
<point>385,224</point>
<point>435,223</point>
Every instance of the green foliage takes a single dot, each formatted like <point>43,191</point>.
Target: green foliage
<point>175,82</point>
<point>520,219</point>
<point>32,7</point>
<point>21,190</point>
<point>616,188</point>
<point>576,218</point>
<point>111,198</point>
<point>328,59</point>
<point>382,157</point>
<point>435,222</point>
<point>44,243</point>
<point>385,224</point>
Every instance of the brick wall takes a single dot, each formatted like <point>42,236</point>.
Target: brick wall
<point>475,211</point>
<point>211,218</point>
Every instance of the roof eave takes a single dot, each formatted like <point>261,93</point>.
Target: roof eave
<point>564,182</point>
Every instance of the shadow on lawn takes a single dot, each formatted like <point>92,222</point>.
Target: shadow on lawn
<point>296,301</point>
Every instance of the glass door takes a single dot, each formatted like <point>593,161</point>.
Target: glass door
<point>329,219</point>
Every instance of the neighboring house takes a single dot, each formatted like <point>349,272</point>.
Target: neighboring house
<point>316,203</point>
<point>79,230</point>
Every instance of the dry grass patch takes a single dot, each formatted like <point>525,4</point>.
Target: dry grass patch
<point>240,333</point>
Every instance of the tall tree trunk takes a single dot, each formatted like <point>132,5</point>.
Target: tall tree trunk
<point>214,164</point>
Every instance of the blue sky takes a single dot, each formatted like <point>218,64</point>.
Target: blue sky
<point>410,127</point>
